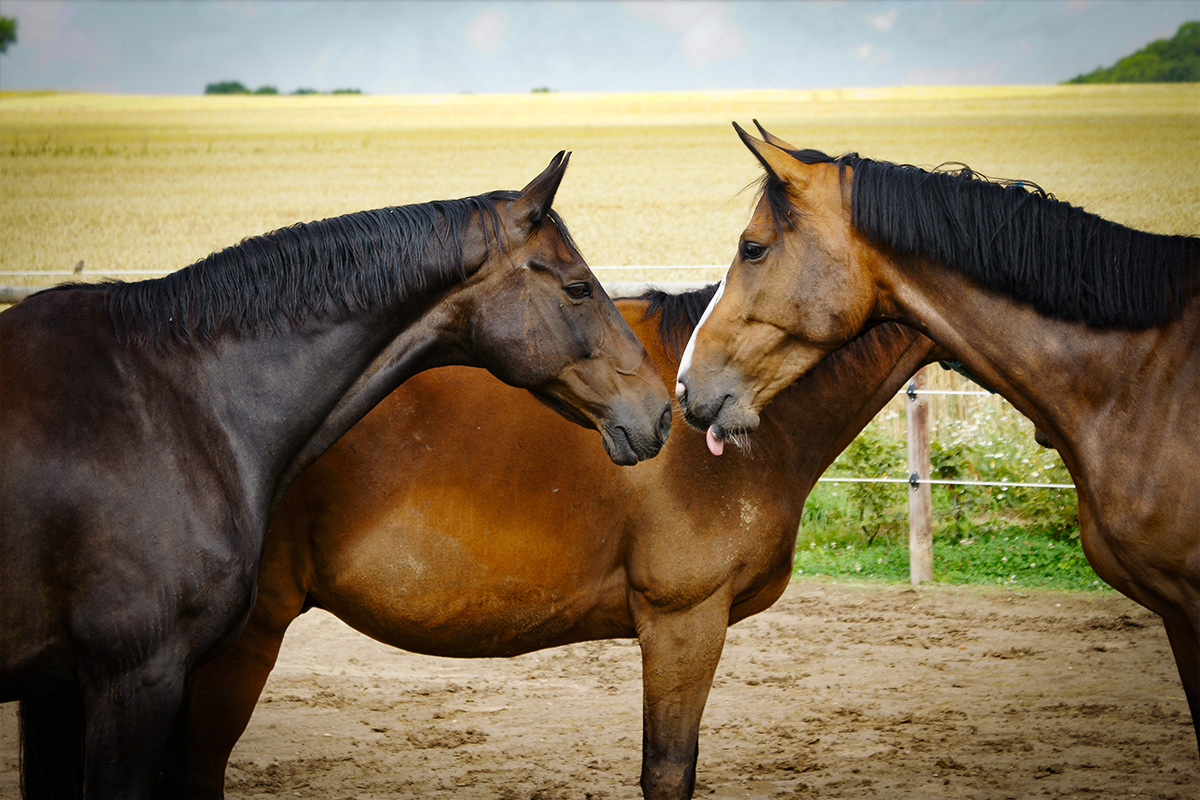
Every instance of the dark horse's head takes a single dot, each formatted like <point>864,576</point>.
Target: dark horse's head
<point>538,318</point>
<point>492,281</point>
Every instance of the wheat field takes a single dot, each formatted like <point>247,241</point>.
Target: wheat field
<point>132,182</point>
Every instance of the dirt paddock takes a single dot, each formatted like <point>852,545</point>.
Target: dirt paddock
<point>839,691</point>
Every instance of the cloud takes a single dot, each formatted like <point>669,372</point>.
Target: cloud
<point>48,29</point>
<point>338,58</point>
<point>485,30</point>
<point>871,54</point>
<point>706,33</point>
<point>952,76</point>
<point>882,22</point>
<point>242,8</point>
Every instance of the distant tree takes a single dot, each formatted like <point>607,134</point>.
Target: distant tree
<point>1174,60</point>
<point>306,91</point>
<point>8,32</point>
<point>226,87</point>
<point>266,90</point>
<point>541,90</point>
<point>346,91</point>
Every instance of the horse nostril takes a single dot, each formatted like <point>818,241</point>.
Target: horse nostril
<point>664,423</point>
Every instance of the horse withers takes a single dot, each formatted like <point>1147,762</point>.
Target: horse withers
<point>1089,328</point>
<point>562,548</point>
<point>150,428</point>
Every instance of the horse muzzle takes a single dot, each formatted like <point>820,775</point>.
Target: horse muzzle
<point>631,440</point>
<point>723,414</point>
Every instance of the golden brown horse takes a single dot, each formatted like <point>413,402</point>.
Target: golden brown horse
<point>1089,328</point>
<point>453,526</point>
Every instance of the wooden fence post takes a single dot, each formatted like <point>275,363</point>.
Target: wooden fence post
<point>920,500</point>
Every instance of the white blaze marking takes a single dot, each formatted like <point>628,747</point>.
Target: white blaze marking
<point>686,362</point>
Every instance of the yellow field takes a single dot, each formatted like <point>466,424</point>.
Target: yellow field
<point>158,182</point>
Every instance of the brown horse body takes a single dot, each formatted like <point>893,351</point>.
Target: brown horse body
<point>452,527</point>
<point>1119,398</point>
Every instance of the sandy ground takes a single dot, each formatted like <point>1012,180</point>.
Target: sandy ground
<point>839,691</point>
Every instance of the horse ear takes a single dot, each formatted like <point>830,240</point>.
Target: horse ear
<point>776,161</point>
<point>535,200</point>
<point>771,138</point>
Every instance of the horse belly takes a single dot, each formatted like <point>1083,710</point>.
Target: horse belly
<point>472,533</point>
<point>432,592</point>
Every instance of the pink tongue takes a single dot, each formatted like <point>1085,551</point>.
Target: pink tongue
<point>715,445</point>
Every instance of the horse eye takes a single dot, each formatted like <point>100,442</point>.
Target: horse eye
<point>579,290</point>
<point>752,251</point>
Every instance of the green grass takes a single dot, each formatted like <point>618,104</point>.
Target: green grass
<point>1009,536</point>
<point>1013,557</point>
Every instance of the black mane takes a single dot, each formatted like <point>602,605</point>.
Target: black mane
<point>343,264</point>
<point>1013,237</point>
<point>679,314</point>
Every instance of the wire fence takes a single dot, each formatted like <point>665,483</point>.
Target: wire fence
<point>78,272</point>
<point>914,479</point>
<point>919,467</point>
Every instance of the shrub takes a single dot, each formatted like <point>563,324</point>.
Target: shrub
<point>226,87</point>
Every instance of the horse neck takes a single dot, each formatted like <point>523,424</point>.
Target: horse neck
<point>1060,374</point>
<point>816,418</point>
<point>831,404</point>
<point>286,397</point>
<point>633,310</point>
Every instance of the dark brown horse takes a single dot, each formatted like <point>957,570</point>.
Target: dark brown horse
<point>149,429</point>
<point>1090,329</point>
<point>394,535</point>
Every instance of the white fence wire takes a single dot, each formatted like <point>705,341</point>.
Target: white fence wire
<point>912,481</point>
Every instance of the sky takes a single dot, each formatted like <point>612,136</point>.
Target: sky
<point>502,46</point>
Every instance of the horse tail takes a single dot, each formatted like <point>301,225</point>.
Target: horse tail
<point>52,746</point>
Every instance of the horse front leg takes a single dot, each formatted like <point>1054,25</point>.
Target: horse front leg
<point>680,651</point>
<point>222,694</point>
<point>1185,645</point>
<point>127,720</point>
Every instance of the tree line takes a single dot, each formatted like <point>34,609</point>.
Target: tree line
<point>237,87</point>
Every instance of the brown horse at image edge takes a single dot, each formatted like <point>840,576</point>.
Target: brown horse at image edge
<point>394,532</point>
<point>1089,328</point>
